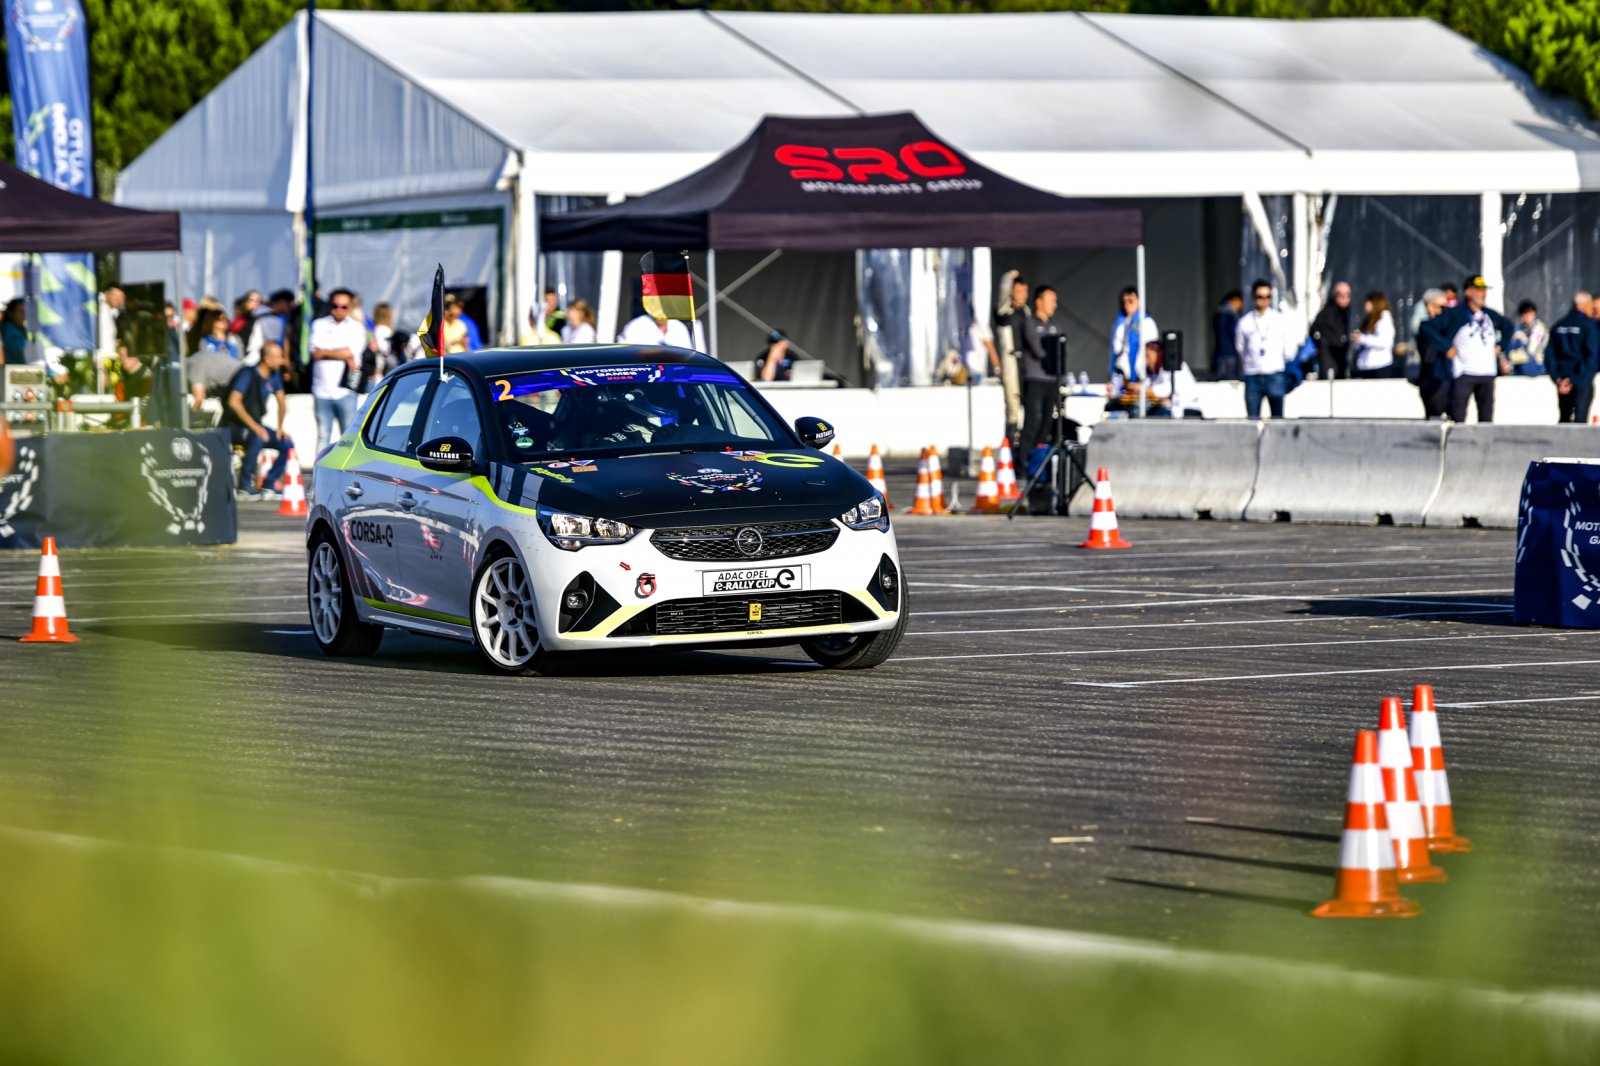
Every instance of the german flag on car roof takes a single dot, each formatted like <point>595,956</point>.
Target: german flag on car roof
<point>665,285</point>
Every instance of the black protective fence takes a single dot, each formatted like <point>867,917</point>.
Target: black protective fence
<point>152,488</point>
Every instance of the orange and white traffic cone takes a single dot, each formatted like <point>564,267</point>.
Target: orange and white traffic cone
<point>294,490</point>
<point>1433,786</point>
<point>838,452</point>
<point>1366,886</point>
<point>923,504</point>
<point>1103,522</point>
<point>49,605</point>
<point>263,464</point>
<point>1006,477</point>
<point>875,475</point>
<point>1400,799</point>
<point>936,482</point>
<point>988,498</point>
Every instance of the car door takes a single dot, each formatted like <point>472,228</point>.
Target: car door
<point>367,498</point>
<point>437,535</point>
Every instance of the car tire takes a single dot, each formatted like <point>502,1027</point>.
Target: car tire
<point>861,651</point>
<point>332,606</point>
<point>504,623</point>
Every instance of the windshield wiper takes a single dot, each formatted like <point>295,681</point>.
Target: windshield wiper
<point>662,451</point>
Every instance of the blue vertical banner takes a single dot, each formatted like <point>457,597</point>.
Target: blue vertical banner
<point>47,57</point>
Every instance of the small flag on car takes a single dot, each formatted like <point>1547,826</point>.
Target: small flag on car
<point>432,331</point>
<point>666,286</point>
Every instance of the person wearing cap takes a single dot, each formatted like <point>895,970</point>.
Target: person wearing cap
<point>1574,358</point>
<point>1476,334</point>
<point>775,363</point>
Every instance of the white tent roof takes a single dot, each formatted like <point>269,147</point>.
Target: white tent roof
<point>412,105</point>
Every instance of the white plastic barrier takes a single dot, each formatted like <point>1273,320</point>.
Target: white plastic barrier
<point>1175,468</point>
<point>1347,471</point>
<point>1484,467</point>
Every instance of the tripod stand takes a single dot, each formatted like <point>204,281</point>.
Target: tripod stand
<point>1063,463</point>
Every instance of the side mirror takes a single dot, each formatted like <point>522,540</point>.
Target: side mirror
<point>814,431</point>
<point>448,455</point>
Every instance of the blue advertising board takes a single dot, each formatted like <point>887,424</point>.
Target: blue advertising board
<point>48,61</point>
<point>1558,545</point>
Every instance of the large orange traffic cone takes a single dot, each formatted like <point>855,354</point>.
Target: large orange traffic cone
<point>988,499</point>
<point>1006,477</point>
<point>936,482</point>
<point>923,504</point>
<point>1103,522</point>
<point>1366,886</point>
<point>875,475</point>
<point>1400,799</point>
<point>294,490</point>
<point>49,605</point>
<point>1433,786</point>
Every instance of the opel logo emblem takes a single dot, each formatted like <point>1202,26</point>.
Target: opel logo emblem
<point>749,541</point>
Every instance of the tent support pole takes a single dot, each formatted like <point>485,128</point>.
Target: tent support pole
<point>183,369</point>
<point>711,307</point>
<point>1144,310</point>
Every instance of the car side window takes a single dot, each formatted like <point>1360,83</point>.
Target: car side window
<point>454,413</point>
<point>392,426</point>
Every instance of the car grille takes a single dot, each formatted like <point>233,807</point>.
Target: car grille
<point>728,614</point>
<point>717,544</point>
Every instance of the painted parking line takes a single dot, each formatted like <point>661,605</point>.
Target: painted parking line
<point>1501,703</point>
<point>1096,627</point>
<point>1178,649</point>
<point>1397,597</point>
<point>1414,669</point>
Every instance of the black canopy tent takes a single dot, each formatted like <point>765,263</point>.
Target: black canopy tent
<point>35,216</point>
<point>842,184</point>
<point>839,184</point>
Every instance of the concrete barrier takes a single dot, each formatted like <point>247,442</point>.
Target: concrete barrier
<point>1183,468</point>
<point>1484,467</point>
<point>1347,471</point>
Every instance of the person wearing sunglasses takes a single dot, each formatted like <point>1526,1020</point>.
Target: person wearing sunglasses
<point>1265,345</point>
<point>337,341</point>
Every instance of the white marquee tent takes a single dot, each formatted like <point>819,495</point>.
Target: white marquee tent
<point>437,133</point>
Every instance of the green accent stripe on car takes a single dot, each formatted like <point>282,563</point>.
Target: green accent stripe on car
<point>401,608</point>
<point>622,614</point>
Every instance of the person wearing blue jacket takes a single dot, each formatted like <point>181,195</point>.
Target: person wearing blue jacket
<point>1476,334</point>
<point>1573,358</point>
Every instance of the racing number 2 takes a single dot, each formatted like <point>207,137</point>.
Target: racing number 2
<point>505,389</point>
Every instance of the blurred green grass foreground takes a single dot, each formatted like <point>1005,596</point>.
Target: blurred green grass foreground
<point>115,954</point>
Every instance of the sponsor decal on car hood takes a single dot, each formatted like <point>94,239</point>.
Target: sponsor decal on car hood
<point>704,488</point>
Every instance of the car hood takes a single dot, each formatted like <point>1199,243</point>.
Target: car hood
<point>695,489</point>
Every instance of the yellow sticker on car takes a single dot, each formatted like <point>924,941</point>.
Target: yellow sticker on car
<point>755,612</point>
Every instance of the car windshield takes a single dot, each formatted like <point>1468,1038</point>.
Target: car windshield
<point>639,407</point>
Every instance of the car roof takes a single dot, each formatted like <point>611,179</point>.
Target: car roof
<point>493,362</point>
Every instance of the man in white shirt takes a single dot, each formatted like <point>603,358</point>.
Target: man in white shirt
<point>337,343</point>
<point>111,304</point>
<point>661,331</point>
<point>1265,346</point>
<point>1476,334</point>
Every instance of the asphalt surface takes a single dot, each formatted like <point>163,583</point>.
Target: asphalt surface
<point>1177,716</point>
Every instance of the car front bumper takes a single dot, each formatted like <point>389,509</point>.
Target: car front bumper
<point>639,597</point>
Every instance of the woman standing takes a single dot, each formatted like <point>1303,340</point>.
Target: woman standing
<point>579,327</point>
<point>1373,343</point>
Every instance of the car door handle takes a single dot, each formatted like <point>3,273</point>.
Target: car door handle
<point>353,491</point>
<point>407,501</point>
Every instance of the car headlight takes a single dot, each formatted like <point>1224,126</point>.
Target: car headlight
<point>569,532</point>
<point>870,513</point>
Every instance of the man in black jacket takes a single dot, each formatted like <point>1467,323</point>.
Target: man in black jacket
<point>1331,331</point>
<point>1433,368</point>
<point>1039,394</point>
<point>1573,359</point>
<point>1224,334</point>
